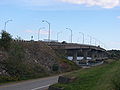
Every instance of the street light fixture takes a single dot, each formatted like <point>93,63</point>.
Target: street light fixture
<point>49,29</point>
<point>83,37</point>
<point>39,32</point>
<point>6,24</point>
<point>71,33</point>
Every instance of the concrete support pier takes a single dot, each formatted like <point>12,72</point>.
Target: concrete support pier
<point>75,55</point>
<point>85,54</point>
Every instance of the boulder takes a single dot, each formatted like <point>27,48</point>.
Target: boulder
<point>55,88</point>
<point>63,79</point>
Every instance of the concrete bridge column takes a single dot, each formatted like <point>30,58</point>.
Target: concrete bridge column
<point>75,55</point>
<point>85,53</point>
<point>102,55</point>
<point>97,55</point>
<point>93,56</point>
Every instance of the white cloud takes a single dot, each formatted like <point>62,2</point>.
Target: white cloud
<point>101,3</point>
<point>118,17</point>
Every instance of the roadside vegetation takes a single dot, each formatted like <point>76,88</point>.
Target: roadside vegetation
<point>114,54</point>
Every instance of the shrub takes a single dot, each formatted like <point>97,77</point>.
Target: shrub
<point>14,64</point>
<point>5,40</point>
<point>55,67</point>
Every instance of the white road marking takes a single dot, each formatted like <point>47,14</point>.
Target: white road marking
<point>40,87</point>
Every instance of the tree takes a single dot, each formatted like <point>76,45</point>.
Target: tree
<point>5,40</point>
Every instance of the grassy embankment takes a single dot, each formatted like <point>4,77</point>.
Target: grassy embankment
<point>104,77</point>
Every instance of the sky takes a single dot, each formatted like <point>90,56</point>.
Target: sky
<point>96,19</point>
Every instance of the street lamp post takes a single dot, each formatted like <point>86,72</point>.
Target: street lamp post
<point>6,24</point>
<point>83,37</point>
<point>95,41</point>
<point>90,39</point>
<point>71,33</point>
<point>39,33</point>
<point>49,29</point>
<point>58,35</point>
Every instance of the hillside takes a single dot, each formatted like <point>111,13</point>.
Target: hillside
<point>29,59</point>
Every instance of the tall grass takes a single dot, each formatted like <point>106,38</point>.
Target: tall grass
<point>105,77</point>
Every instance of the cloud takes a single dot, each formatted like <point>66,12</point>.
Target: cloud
<point>52,3</point>
<point>44,32</point>
<point>101,3</point>
<point>118,17</point>
<point>29,2</point>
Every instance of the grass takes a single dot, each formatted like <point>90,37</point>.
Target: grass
<point>105,77</point>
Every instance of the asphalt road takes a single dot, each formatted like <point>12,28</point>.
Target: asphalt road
<point>38,84</point>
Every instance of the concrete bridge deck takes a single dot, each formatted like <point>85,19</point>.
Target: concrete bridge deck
<point>70,46</point>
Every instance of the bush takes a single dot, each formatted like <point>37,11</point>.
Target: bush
<point>7,79</point>
<point>55,67</point>
<point>5,40</point>
<point>114,54</point>
<point>14,65</point>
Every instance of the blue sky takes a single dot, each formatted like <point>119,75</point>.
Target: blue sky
<point>99,19</point>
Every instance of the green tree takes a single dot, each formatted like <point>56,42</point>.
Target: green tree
<point>5,40</point>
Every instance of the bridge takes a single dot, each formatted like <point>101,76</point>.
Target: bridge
<point>74,50</point>
<point>80,50</point>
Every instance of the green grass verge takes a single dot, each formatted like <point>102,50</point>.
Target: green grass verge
<point>105,77</point>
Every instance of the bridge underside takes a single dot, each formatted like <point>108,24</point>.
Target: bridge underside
<point>78,50</point>
<point>93,54</point>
